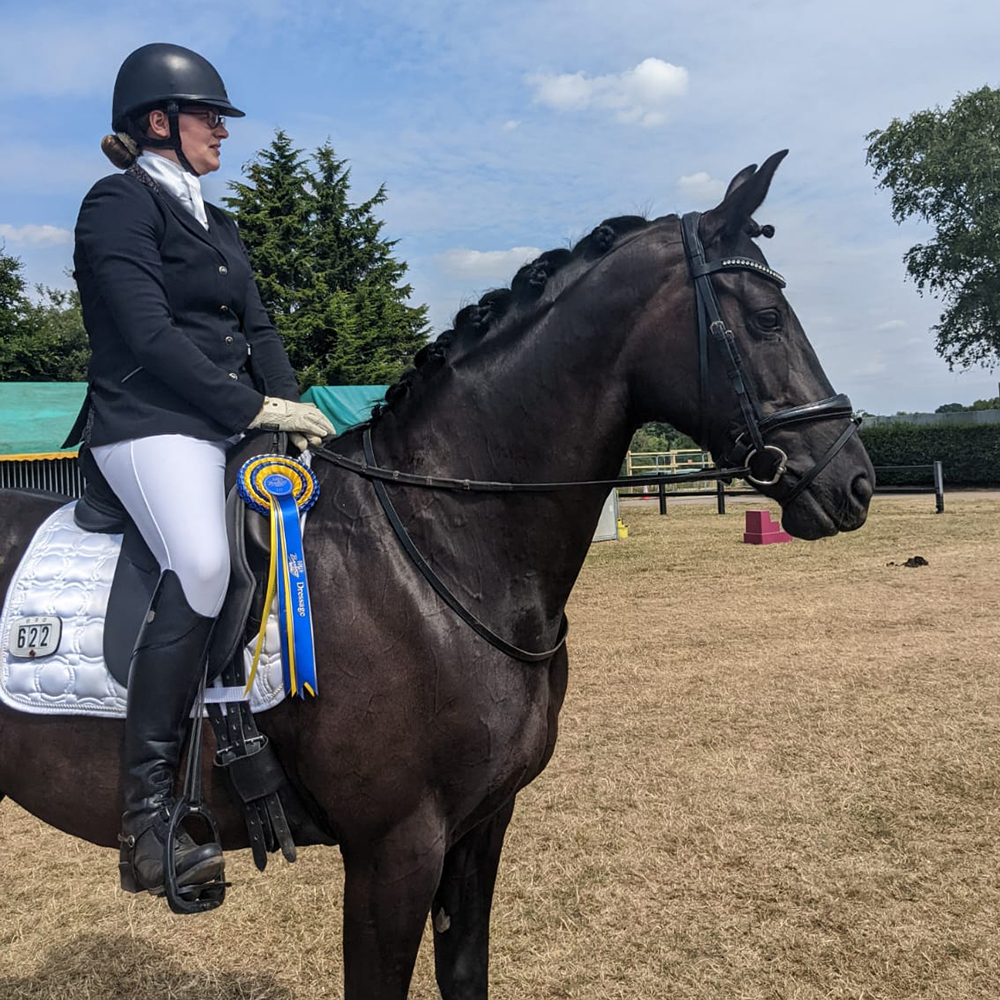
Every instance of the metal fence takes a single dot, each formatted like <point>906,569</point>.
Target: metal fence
<point>645,463</point>
<point>51,474</point>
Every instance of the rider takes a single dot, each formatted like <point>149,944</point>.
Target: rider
<point>184,360</point>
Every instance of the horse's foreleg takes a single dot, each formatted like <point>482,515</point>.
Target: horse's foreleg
<point>461,911</point>
<point>388,888</point>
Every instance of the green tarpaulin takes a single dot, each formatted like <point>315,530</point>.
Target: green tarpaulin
<point>35,417</point>
<point>345,405</point>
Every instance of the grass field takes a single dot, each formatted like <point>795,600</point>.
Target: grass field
<point>776,778</point>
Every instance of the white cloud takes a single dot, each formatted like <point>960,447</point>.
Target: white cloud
<point>510,124</point>
<point>891,324</point>
<point>635,96</point>
<point>701,186</point>
<point>35,236</point>
<point>494,265</point>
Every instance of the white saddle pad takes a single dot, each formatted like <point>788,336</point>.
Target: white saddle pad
<point>66,574</point>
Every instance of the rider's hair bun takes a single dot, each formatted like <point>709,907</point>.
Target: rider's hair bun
<point>121,149</point>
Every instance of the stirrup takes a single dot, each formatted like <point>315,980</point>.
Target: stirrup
<point>190,898</point>
<point>206,895</point>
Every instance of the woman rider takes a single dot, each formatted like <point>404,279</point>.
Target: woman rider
<point>184,360</point>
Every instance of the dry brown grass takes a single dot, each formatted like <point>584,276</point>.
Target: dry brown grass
<point>776,778</point>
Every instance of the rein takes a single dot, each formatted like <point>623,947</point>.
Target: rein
<point>369,469</point>
<point>710,322</point>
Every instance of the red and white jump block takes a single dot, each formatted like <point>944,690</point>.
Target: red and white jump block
<point>761,530</point>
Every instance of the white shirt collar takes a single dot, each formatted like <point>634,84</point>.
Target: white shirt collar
<point>184,186</point>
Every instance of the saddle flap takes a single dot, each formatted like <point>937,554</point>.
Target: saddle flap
<point>228,638</point>
<point>136,576</point>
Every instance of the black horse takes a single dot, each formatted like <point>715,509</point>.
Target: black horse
<point>424,733</point>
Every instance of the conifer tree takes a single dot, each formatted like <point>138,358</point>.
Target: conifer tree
<point>327,275</point>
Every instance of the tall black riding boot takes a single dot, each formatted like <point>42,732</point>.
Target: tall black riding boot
<point>165,673</point>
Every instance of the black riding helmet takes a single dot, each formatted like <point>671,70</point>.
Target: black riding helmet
<point>165,76</point>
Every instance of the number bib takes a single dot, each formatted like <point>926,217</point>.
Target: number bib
<point>35,636</point>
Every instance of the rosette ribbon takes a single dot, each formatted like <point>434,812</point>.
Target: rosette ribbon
<point>282,488</point>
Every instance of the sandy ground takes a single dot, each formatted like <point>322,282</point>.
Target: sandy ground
<point>778,778</point>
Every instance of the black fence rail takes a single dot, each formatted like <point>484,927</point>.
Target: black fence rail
<point>937,488</point>
<point>720,491</point>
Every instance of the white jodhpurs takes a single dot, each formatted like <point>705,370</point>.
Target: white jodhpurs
<point>173,487</point>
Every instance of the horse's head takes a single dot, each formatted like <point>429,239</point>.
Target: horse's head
<point>751,387</point>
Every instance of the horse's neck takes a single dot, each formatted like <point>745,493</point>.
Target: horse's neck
<point>532,416</point>
<point>545,411</point>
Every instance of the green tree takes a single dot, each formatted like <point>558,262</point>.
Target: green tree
<point>327,276</point>
<point>980,404</point>
<point>48,342</point>
<point>659,436</point>
<point>993,403</point>
<point>944,167</point>
<point>12,299</point>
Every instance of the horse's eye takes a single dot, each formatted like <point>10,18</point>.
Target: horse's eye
<point>767,321</point>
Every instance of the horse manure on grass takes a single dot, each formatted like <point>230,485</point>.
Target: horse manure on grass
<point>911,563</point>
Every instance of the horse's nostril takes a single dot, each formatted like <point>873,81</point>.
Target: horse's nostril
<point>862,488</point>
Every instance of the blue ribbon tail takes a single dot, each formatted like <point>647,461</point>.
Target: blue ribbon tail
<point>299,663</point>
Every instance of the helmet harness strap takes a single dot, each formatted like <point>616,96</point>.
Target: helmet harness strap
<point>173,141</point>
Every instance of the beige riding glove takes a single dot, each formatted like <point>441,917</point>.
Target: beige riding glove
<point>305,422</point>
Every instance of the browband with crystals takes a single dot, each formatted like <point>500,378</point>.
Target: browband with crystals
<point>741,264</point>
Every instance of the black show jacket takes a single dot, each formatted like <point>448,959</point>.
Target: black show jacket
<point>180,341</point>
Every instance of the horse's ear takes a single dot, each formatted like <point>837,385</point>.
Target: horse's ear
<point>746,193</point>
<point>742,176</point>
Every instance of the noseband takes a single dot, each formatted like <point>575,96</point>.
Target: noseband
<point>750,443</point>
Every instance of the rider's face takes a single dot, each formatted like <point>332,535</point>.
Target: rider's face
<point>200,141</point>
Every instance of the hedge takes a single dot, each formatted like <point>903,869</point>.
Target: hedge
<point>970,453</point>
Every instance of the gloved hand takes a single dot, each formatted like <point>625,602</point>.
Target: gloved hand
<point>304,422</point>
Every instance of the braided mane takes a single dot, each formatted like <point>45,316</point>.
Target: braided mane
<point>526,293</point>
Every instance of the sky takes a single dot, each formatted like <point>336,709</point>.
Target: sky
<point>503,129</point>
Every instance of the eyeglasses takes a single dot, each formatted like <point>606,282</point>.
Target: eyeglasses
<point>210,116</point>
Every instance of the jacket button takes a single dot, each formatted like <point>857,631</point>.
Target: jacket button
<point>224,309</point>
<point>229,340</point>
<point>233,375</point>
<point>223,269</point>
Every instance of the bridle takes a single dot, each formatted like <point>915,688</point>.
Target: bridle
<point>748,445</point>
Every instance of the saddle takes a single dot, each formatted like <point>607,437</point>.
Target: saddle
<point>137,571</point>
<point>256,777</point>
